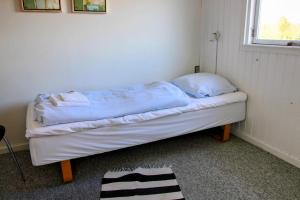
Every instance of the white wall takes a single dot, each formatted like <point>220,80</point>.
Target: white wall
<point>271,78</point>
<point>137,41</point>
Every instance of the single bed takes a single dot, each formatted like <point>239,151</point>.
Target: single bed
<point>70,141</point>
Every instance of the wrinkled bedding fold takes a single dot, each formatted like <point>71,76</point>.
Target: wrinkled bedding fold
<point>113,103</point>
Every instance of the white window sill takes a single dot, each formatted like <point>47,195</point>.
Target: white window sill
<point>293,50</point>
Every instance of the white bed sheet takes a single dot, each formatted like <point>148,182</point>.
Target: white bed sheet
<point>56,148</point>
<point>34,129</point>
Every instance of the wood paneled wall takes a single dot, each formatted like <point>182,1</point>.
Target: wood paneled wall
<point>270,76</point>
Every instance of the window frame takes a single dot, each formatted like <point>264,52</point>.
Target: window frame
<point>255,9</point>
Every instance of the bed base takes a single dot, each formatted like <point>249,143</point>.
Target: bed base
<point>226,133</point>
<point>223,136</point>
<point>66,166</point>
<point>66,169</point>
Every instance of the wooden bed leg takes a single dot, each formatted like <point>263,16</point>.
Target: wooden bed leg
<point>226,133</point>
<point>66,169</point>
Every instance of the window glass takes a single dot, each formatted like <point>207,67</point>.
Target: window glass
<point>278,20</point>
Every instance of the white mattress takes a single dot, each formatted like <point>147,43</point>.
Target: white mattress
<point>50,149</point>
<point>34,129</point>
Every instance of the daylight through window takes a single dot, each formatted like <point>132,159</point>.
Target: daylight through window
<point>276,22</point>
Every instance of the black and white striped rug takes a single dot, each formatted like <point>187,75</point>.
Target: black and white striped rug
<point>141,184</point>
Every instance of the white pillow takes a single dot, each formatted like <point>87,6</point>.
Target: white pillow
<point>202,85</point>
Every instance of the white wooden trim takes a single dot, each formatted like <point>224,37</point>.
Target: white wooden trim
<point>292,50</point>
<point>16,147</point>
<point>276,42</point>
<point>256,14</point>
<point>249,21</point>
<point>273,150</point>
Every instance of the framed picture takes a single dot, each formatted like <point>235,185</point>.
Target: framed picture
<point>89,6</point>
<point>41,5</point>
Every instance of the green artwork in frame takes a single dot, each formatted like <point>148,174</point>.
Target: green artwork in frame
<point>89,6</point>
<point>41,5</point>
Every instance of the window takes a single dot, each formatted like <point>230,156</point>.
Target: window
<point>275,22</point>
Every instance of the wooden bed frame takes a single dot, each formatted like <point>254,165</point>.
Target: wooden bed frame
<point>66,166</point>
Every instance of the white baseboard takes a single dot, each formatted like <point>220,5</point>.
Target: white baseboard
<point>16,147</point>
<point>273,150</point>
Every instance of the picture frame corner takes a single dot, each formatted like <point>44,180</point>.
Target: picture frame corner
<point>87,11</point>
<point>24,9</point>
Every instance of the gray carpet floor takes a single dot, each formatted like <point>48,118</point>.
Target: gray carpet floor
<point>205,169</point>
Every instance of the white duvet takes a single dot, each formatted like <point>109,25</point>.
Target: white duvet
<point>112,103</point>
<point>34,129</point>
